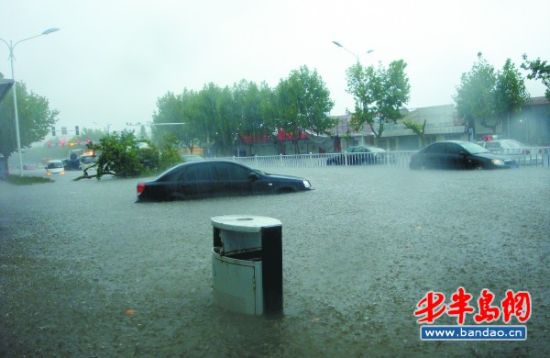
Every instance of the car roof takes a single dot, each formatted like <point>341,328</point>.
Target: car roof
<point>453,141</point>
<point>370,147</point>
<point>201,162</point>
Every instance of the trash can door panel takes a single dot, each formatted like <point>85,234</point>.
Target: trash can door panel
<point>235,285</point>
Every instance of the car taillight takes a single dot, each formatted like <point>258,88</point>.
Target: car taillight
<point>140,188</point>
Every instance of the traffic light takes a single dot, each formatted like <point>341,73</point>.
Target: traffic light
<point>76,130</point>
<point>63,130</point>
<point>53,131</point>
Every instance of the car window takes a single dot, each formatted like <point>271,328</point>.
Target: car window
<point>473,148</point>
<point>493,145</point>
<point>222,171</point>
<point>171,174</point>
<point>239,173</point>
<point>199,172</point>
<point>55,165</point>
<point>434,148</point>
<point>511,144</point>
<point>452,148</point>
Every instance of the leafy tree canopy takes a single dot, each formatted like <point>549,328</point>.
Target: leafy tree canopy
<point>487,97</point>
<point>121,154</point>
<point>538,70</point>
<point>510,92</point>
<point>214,117</point>
<point>35,119</point>
<point>304,102</point>
<point>379,94</point>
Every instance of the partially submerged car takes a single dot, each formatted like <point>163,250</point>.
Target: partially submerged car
<point>520,152</point>
<point>359,155</point>
<point>216,178</point>
<point>458,155</point>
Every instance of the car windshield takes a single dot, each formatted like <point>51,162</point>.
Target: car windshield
<point>87,159</point>
<point>511,144</point>
<point>55,165</point>
<point>473,148</point>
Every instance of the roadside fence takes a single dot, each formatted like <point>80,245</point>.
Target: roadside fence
<point>532,156</point>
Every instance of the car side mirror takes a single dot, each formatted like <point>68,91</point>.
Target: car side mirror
<point>253,176</point>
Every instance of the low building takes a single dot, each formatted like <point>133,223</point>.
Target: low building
<point>531,126</point>
<point>442,123</point>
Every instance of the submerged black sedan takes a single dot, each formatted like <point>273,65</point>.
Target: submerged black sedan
<point>216,178</point>
<point>458,155</point>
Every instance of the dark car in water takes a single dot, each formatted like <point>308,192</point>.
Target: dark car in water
<point>458,155</point>
<point>359,155</point>
<point>216,178</point>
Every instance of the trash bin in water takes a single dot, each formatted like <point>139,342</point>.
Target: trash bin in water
<point>247,264</point>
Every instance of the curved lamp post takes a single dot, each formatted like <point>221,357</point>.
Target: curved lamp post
<point>348,50</point>
<point>11,47</point>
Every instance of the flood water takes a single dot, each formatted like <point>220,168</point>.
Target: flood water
<point>85,271</point>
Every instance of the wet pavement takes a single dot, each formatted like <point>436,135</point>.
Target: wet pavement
<point>85,271</point>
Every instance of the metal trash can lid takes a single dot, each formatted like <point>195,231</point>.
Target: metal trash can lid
<point>244,223</point>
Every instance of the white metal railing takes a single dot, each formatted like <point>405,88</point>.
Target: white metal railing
<point>400,159</point>
<point>538,156</point>
<point>532,156</point>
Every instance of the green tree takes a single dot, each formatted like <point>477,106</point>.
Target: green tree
<point>268,108</point>
<point>510,93</point>
<point>538,70</point>
<point>205,113</point>
<point>487,97</point>
<point>248,101</point>
<point>379,94</point>
<point>121,154</point>
<point>35,119</point>
<point>170,109</point>
<point>475,97</point>
<point>418,128</point>
<point>169,154</point>
<point>304,103</point>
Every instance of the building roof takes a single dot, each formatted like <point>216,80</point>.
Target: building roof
<point>434,114</point>
<point>344,127</point>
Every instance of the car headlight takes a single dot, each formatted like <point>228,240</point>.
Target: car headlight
<point>307,185</point>
<point>498,162</point>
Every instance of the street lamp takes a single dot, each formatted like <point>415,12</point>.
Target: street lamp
<point>11,47</point>
<point>348,50</point>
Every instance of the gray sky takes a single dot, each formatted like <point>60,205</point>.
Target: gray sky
<point>113,59</point>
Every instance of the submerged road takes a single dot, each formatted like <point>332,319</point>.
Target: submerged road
<point>85,271</point>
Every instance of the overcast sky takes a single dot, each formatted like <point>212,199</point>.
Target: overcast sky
<point>111,60</point>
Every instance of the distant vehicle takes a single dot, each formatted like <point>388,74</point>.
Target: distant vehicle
<point>87,160</point>
<point>458,155</point>
<point>216,178</point>
<point>191,158</point>
<point>359,155</point>
<point>55,167</point>
<point>512,148</point>
<point>506,146</point>
<point>73,163</point>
